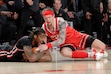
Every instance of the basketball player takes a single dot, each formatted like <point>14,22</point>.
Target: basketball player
<point>25,49</point>
<point>68,39</point>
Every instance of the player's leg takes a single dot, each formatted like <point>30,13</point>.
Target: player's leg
<point>69,51</point>
<point>3,53</point>
<point>96,45</point>
<point>99,46</point>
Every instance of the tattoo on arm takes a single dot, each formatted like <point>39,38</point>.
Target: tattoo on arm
<point>62,33</point>
<point>28,51</point>
<point>32,57</point>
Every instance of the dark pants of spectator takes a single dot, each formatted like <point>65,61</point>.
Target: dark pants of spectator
<point>104,33</point>
<point>7,31</point>
<point>89,24</point>
<point>26,13</point>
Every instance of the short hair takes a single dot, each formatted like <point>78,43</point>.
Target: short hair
<point>36,31</point>
<point>56,0</point>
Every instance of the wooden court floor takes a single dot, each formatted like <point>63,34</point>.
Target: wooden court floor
<point>59,65</point>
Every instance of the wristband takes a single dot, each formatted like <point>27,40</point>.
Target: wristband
<point>49,45</point>
<point>35,49</point>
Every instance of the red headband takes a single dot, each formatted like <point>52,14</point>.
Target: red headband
<point>48,12</point>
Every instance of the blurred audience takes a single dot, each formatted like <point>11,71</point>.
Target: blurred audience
<point>44,3</point>
<point>59,12</point>
<point>30,9</point>
<point>92,15</point>
<point>109,24</point>
<point>7,24</point>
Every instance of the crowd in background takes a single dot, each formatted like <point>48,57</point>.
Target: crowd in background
<point>18,17</point>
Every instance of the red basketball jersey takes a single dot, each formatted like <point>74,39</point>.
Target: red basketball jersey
<point>73,37</point>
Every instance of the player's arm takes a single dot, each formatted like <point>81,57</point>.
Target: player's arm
<point>46,58</point>
<point>62,33</point>
<point>60,38</point>
<point>33,57</point>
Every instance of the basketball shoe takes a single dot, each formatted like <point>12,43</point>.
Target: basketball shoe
<point>96,56</point>
<point>103,52</point>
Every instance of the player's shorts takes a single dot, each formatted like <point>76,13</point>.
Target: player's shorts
<point>9,54</point>
<point>89,41</point>
<point>3,52</point>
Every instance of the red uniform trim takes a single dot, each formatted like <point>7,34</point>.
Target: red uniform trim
<point>49,45</point>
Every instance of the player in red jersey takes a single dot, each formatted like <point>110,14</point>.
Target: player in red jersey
<point>69,39</point>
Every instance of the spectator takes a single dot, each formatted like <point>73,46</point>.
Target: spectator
<point>75,13</point>
<point>92,14</point>
<point>65,4</point>
<point>31,8</point>
<point>59,12</point>
<point>75,6</point>
<point>44,3</point>
<point>104,27</point>
<point>15,6</point>
<point>7,23</point>
<point>109,22</point>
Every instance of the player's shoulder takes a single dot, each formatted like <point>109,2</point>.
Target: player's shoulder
<point>60,19</point>
<point>24,38</point>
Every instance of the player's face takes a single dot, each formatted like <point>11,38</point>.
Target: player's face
<point>41,38</point>
<point>49,19</point>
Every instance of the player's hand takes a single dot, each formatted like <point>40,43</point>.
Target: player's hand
<point>35,49</point>
<point>43,47</point>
